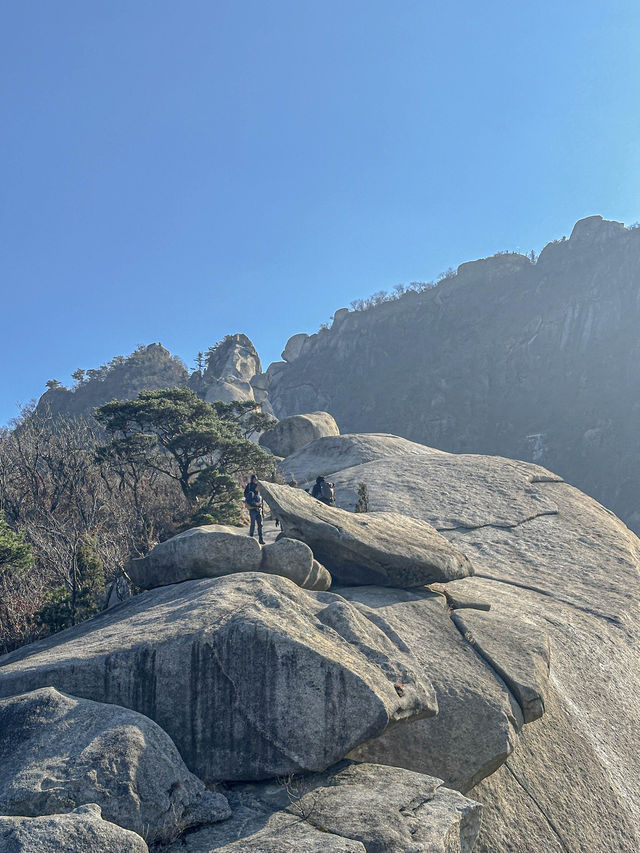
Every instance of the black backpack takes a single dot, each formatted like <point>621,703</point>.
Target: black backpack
<point>327,492</point>
<point>254,499</point>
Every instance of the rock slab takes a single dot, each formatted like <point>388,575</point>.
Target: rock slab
<point>59,752</point>
<point>81,831</point>
<point>250,676</point>
<point>385,549</point>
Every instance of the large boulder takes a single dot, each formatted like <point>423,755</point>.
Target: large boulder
<point>386,549</point>
<point>352,808</point>
<point>200,552</point>
<point>294,347</point>
<point>250,676</point>
<point>81,831</point>
<point>59,752</point>
<point>290,434</point>
<point>292,559</point>
<point>552,563</point>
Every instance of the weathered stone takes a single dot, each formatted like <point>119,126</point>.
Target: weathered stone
<point>229,390</point>
<point>292,559</point>
<point>250,676</point>
<point>292,433</point>
<point>548,556</point>
<point>350,808</point>
<point>200,552</point>
<point>293,347</point>
<point>59,752</point>
<point>367,548</point>
<point>260,382</point>
<point>333,453</point>
<point>478,719</point>
<point>80,831</point>
<point>516,651</point>
<point>233,358</point>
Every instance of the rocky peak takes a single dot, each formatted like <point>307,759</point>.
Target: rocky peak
<point>234,357</point>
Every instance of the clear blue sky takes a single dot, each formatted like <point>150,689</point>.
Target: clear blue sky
<point>177,171</point>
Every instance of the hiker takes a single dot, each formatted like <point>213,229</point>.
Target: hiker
<point>253,500</point>
<point>324,491</point>
<point>292,482</point>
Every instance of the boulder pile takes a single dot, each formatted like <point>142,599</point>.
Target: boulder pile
<point>441,674</point>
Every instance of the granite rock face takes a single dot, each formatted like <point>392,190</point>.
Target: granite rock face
<point>325,456</point>
<point>59,752</point>
<point>290,434</point>
<point>533,361</point>
<point>352,808</point>
<point>81,831</point>
<point>200,552</point>
<point>250,676</point>
<point>557,568</point>
<point>387,549</point>
<point>234,358</point>
<point>478,719</point>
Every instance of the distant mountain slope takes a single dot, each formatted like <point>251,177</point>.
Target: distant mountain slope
<point>537,361</point>
<point>148,368</point>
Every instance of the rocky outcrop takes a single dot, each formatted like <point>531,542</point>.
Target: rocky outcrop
<point>81,831</point>
<point>249,675</point>
<point>351,809</point>
<point>533,361</point>
<point>292,559</point>
<point>59,752</point>
<point>292,433</point>
<point>200,552</point>
<point>555,567</point>
<point>149,368</point>
<point>478,719</point>
<point>325,456</point>
<point>387,549</point>
<point>231,365</point>
<point>294,347</point>
<point>235,357</point>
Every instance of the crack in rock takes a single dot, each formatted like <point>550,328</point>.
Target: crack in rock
<point>546,817</point>
<point>497,525</point>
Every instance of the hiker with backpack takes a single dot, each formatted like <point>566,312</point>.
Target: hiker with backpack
<point>253,500</point>
<point>324,491</point>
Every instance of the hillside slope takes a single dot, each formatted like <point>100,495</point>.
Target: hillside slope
<point>535,361</point>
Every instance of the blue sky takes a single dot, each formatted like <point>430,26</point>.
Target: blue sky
<point>177,171</point>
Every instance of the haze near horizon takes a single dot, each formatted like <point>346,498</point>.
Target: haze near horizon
<point>177,173</point>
